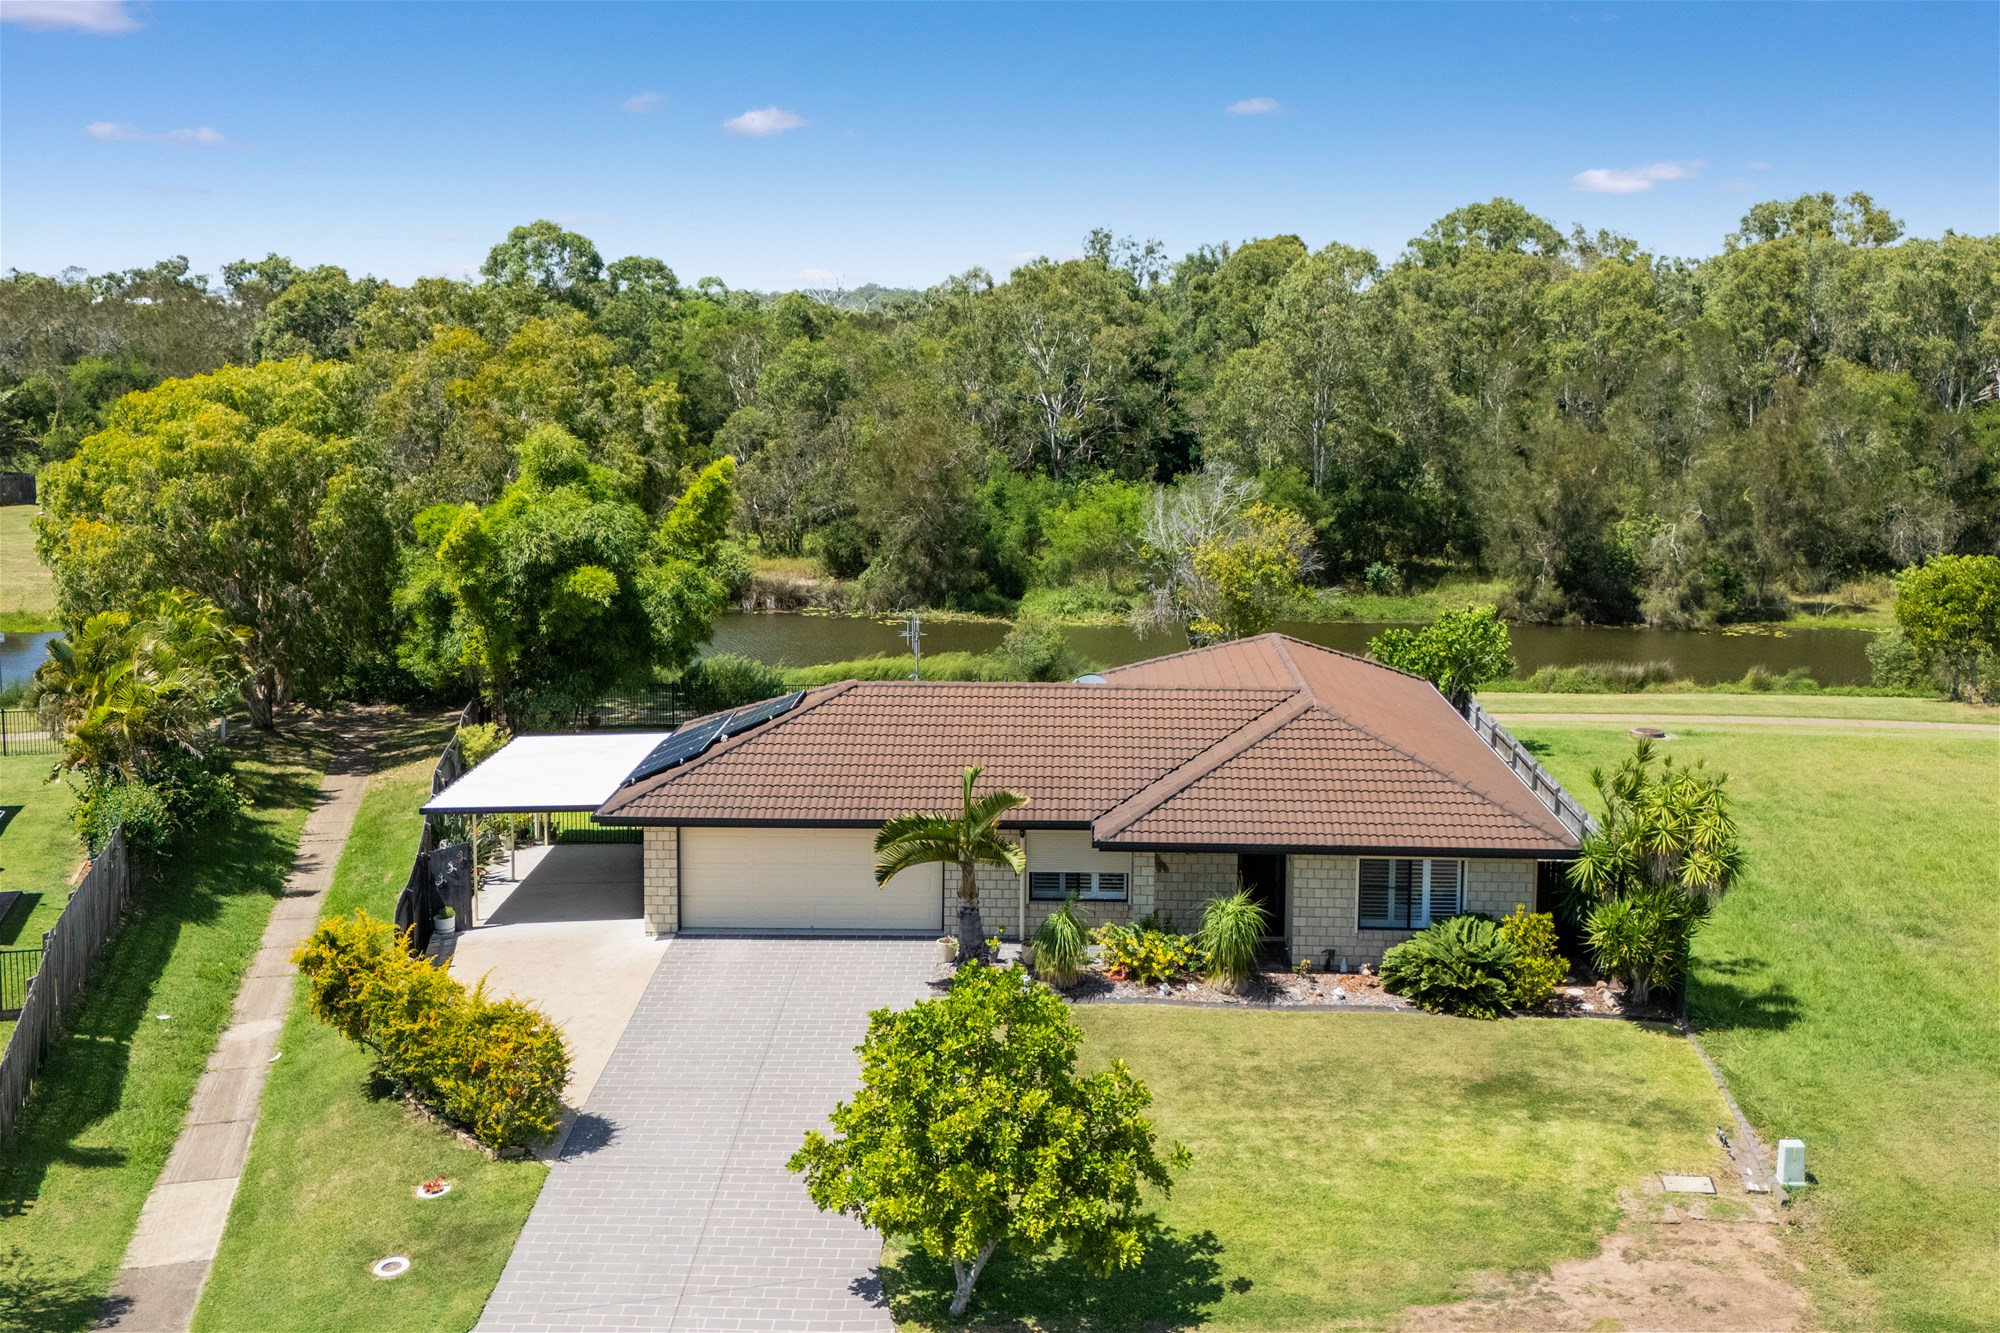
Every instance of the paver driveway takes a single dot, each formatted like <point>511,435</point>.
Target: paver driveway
<point>671,1207</point>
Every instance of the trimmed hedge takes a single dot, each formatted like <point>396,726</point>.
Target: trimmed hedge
<point>495,1067</point>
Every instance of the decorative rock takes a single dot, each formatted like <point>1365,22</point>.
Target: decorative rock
<point>1339,994</point>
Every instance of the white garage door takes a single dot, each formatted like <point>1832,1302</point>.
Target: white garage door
<point>801,879</point>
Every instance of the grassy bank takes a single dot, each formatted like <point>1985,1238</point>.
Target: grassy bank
<point>27,592</point>
<point>1885,707</point>
<point>110,1101</point>
<point>327,1188</point>
<point>1848,991</point>
<point>1348,1165</point>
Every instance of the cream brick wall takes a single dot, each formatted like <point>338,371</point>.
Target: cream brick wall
<point>661,858</point>
<point>1326,908</point>
<point>999,900</point>
<point>1188,881</point>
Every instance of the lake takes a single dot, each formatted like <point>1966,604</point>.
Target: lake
<point>20,654</point>
<point>1832,656</point>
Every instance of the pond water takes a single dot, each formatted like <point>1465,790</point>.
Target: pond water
<point>20,654</point>
<point>1832,656</point>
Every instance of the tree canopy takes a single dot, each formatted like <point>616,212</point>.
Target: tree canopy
<point>972,1129</point>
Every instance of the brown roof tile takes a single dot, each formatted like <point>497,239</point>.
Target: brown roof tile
<point>1264,742</point>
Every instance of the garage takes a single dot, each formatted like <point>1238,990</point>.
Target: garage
<point>801,879</point>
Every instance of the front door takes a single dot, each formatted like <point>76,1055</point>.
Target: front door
<point>1263,877</point>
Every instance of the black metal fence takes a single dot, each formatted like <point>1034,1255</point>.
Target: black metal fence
<point>87,921</point>
<point>25,732</point>
<point>17,969</point>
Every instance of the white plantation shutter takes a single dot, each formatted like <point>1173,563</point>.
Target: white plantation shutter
<point>1442,894</point>
<point>1045,885</point>
<point>1110,887</point>
<point>1409,910</point>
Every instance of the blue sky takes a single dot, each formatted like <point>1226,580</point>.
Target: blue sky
<point>800,145</point>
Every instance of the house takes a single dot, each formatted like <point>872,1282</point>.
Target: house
<point>1352,799</point>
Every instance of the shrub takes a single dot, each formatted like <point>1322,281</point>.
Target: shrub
<point>1230,929</point>
<point>496,1067</point>
<point>1146,956</point>
<point>1059,945</point>
<point>1894,665</point>
<point>1642,939</point>
<point>1458,966</point>
<point>1761,680</point>
<point>480,742</point>
<point>1037,649</point>
<point>728,680</point>
<point>1382,580</point>
<point>1538,969</point>
<point>184,795</point>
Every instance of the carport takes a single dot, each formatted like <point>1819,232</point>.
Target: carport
<point>560,925</point>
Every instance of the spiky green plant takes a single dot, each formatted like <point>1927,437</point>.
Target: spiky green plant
<point>1230,929</point>
<point>1060,944</point>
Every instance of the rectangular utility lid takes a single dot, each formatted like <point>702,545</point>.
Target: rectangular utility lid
<point>533,774</point>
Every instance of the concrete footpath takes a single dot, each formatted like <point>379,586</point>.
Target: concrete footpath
<point>180,1228</point>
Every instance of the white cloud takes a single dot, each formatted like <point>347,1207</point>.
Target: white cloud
<point>1756,166</point>
<point>106,18</point>
<point>640,103</point>
<point>820,277</point>
<point>1253,106</point>
<point>1631,180</point>
<point>112,131</point>
<point>768,120</point>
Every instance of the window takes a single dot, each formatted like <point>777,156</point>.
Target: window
<point>1408,895</point>
<point>1056,885</point>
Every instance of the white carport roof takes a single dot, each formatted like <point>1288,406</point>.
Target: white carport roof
<point>532,774</point>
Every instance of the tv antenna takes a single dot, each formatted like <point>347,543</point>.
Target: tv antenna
<point>914,634</point>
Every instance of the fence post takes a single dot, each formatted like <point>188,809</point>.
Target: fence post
<point>3,732</point>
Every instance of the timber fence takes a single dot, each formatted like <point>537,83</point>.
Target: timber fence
<point>88,919</point>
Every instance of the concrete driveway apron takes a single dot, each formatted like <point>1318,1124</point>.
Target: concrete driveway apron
<point>671,1207</point>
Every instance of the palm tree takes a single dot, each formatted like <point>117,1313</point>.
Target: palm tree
<point>971,839</point>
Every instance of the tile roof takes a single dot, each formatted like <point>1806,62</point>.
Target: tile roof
<point>1265,742</point>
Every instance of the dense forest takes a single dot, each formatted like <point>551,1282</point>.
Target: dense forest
<point>1618,435</point>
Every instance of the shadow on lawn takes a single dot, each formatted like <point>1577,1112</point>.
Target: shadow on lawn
<point>1716,1001</point>
<point>1175,1287</point>
<point>32,1298</point>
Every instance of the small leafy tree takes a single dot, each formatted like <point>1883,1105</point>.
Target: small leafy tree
<point>1223,567</point>
<point>1538,968</point>
<point>1457,652</point>
<point>968,840</point>
<point>972,1129</point>
<point>1949,609</point>
<point>1667,845</point>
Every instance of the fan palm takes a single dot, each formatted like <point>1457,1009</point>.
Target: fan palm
<point>968,840</point>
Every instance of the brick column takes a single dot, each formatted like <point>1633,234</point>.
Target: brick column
<point>662,878</point>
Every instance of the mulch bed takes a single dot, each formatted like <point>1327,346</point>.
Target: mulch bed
<point>1323,990</point>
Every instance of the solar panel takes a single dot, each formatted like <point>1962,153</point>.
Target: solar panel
<point>691,742</point>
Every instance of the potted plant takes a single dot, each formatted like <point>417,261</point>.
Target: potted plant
<point>444,923</point>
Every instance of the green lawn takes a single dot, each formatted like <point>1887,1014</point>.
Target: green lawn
<point>27,592</point>
<point>38,852</point>
<point>111,1099</point>
<point>1849,990</point>
<point>1887,708</point>
<point>1349,1165</point>
<point>327,1188</point>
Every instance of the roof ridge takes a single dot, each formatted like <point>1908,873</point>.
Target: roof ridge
<point>1176,780</point>
<point>727,743</point>
<point>1452,778</point>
